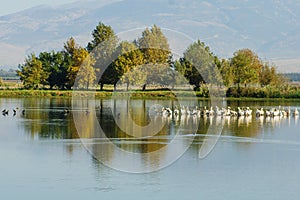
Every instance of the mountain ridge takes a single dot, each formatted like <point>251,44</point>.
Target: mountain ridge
<point>271,28</point>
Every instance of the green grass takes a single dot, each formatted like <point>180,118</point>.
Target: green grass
<point>98,94</point>
<point>149,94</point>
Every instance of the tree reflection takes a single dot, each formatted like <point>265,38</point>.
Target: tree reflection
<point>123,120</point>
<point>243,127</point>
<point>45,118</point>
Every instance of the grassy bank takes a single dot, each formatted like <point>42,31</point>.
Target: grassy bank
<point>98,94</point>
<point>286,92</point>
<point>151,94</point>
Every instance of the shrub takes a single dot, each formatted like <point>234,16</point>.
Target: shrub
<point>233,92</point>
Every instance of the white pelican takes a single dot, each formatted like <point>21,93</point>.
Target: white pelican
<point>296,112</point>
<point>211,111</point>
<point>188,112</point>
<point>228,111</point>
<point>183,110</point>
<point>176,111</point>
<point>240,112</point>
<point>195,111</point>
<point>248,111</point>
<point>260,112</point>
<point>268,113</point>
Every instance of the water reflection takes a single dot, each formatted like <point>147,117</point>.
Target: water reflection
<point>47,118</point>
<point>43,142</point>
<point>124,132</point>
<point>131,126</point>
<point>124,120</point>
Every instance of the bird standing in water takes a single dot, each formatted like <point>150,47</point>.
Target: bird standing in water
<point>15,112</point>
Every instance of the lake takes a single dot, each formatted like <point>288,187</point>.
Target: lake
<point>60,148</point>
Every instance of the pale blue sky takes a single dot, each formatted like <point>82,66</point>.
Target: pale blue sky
<point>11,6</point>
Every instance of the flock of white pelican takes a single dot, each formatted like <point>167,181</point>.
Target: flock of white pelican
<point>216,111</point>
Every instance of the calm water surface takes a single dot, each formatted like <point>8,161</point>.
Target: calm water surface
<point>42,156</point>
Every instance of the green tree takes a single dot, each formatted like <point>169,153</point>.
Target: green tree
<point>246,67</point>
<point>179,73</point>
<point>265,77</point>
<point>129,57</point>
<point>102,47</point>
<point>155,47</point>
<point>227,73</point>
<point>269,76</point>
<point>56,64</point>
<point>190,72</point>
<point>154,44</point>
<point>86,76</point>
<point>32,73</point>
<point>103,34</point>
<point>199,65</point>
<point>72,52</point>
<point>1,82</point>
<point>81,65</point>
<point>136,77</point>
<point>157,75</point>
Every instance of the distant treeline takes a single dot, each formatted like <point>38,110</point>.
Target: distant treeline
<point>293,77</point>
<point>148,60</point>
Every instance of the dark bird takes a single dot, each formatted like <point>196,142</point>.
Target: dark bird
<point>15,112</point>
<point>23,112</point>
<point>66,111</point>
<point>4,112</point>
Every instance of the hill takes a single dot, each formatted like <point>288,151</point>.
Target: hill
<point>271,28</point>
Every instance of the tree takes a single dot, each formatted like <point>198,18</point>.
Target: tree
<point>227,73</point>
<point>184,67</point>
<point>155,46</point>
<point>71,51</point>
<point>198,65</point>
<point>32,73</point>
<point>75,55</point>
<point>56,64</point>
<point>158,75</point>
<point>136,76</point>
<point>102,34</point>
<point>81,65</point>
<point>86,76</point>
<point>129,57</point>
<point>1,82</point>
<point>102,47</point>
<point>179,73</point>
<point>269,76</point>
<point>265,77</point>
<point>246,67</point>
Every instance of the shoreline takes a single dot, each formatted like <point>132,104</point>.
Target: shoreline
<point>154,94</point>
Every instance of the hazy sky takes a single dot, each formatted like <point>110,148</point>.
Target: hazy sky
<point>11,6</point>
